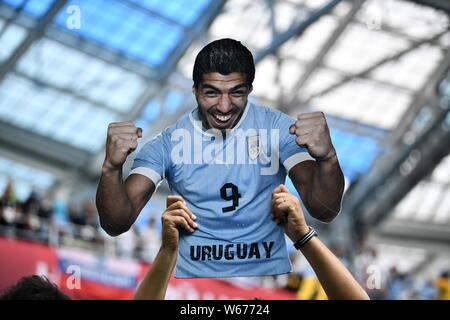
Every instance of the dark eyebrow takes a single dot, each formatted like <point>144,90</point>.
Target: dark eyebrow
<point>239,86</point>
<point>209,86</point>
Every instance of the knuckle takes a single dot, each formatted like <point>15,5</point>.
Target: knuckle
<point>121,144</point>
<point>178,204</point>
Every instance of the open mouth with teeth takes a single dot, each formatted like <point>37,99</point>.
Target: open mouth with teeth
<point>222,121</point>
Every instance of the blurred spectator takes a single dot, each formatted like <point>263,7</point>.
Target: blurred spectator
<point>150,241</point>
<point>76,216</point>
<point>89,231</point>
<point>76,221</point>
<point>399,285</point>
<point>339,252</point>
<point>427,291</point>
<point>371,273</point>
<point>9,195</point>
<point>60,214</point>
<point>8,205</point>
<point>91,215</point>
<point>32,204</point>
<point>127,243</point>
<point>45,214</point>
<point>28,217</point>
<point>443,285</point>
<point>85,221</point>
<point>46,206</point>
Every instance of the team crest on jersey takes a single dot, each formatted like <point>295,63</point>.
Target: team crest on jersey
<point>254,147</point>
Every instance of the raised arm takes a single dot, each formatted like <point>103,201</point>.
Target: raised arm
<point>320,183</point>
<point>155,283</point>
<point>336,279</point>
<point>118,202</point>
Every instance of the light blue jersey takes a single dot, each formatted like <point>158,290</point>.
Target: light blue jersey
<point>227,182</point>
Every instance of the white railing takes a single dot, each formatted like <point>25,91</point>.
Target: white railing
<point>57,232</point>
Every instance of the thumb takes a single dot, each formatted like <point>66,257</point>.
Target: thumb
<point>278,189</point>
<point>283,188</point>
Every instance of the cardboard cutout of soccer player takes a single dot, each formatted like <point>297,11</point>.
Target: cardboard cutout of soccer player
<point>224,158</point>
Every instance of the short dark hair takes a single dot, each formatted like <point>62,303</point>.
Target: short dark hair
<point>34,288</point>
<point>224,56</point>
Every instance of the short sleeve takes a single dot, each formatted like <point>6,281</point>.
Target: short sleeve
<point>290,152</point>
<point>153,159</point>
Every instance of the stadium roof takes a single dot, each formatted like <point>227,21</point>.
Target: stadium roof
<point>54,86</point>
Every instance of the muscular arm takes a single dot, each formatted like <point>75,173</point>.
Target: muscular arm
<point>320,183</point>
<point>119,203</point>
<point>321,186</point>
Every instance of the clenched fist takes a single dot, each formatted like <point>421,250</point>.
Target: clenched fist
<point>312,133</point>
<point>120,142</point>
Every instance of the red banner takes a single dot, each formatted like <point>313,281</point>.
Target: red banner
<point>85,275</point>
<point>21,258</point>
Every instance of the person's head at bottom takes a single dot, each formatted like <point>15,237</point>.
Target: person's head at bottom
<point>34,288</point>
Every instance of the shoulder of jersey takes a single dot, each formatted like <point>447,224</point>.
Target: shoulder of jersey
<point>270,113</point>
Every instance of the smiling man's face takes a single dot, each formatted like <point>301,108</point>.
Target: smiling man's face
<point>222,99</point>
